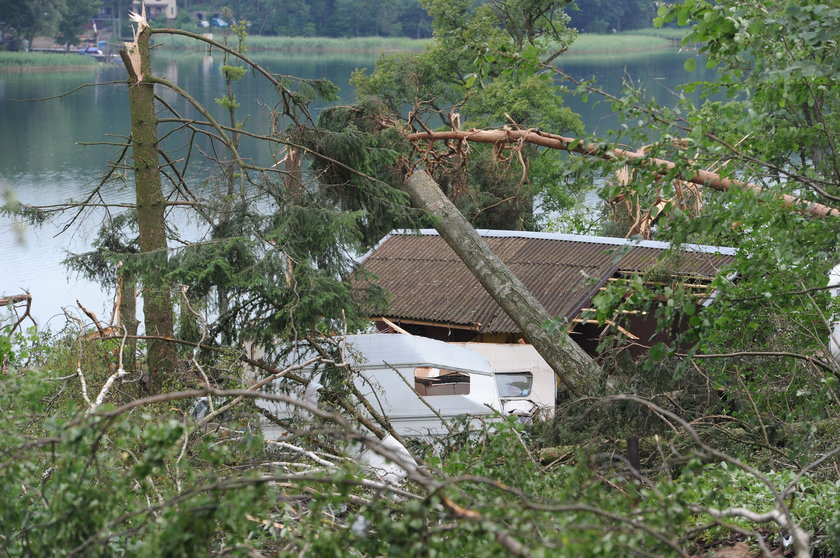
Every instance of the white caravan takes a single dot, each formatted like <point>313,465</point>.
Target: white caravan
<point>414,381</point>
<point>526,383</point>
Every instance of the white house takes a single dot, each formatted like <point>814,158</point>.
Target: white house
<point>159,8</point>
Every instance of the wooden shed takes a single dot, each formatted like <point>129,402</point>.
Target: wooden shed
<point>433,294</point>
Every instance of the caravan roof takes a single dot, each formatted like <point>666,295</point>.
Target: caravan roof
<point>374,350</point>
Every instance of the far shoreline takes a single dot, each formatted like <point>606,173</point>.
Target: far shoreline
<point>618,45</point>
<point>31,69</point>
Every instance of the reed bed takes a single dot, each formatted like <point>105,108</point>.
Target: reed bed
<point>645,40</point>
<point>34,61</point>
<point>304,44</point>
<point>670,33</point>
<point>592,43</point>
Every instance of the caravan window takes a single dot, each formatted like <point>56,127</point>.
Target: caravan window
<point>429,381</point>
<point>514,384</point>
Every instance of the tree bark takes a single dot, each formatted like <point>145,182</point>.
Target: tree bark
<point>576,369</point>
<point>157,304</point>
<point>127,317</point>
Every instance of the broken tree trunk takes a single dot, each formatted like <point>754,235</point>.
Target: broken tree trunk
<point>576,369</point>
<point>157,304</point>
<point>660,166</point>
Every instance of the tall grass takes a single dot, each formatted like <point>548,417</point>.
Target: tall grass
<point>671,33</point>
<point>629,42</point>
<point>592,43</point>
<point>303,44</point>
<point>586,43</point>
<point>25,61</point>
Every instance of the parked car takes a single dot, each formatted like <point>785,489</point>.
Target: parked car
<point>218,22</point>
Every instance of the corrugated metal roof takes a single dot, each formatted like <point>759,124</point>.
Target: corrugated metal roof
<point>427,281</point>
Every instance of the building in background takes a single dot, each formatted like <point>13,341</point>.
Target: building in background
<point>159,8</point>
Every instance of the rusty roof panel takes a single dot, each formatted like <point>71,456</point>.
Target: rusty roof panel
<point>676,262</point>
<point>428,282</point>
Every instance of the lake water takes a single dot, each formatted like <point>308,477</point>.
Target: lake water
<point>43,159</point>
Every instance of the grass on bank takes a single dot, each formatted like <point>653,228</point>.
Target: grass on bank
<point>628,44</point>
<point>24,61</point>
<point>671,33</point>
<point>595,43</point>
<point>258,43</point>
<point>642,40</point>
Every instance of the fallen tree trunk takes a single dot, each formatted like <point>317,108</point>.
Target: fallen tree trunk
<point>576,369</point>
<point>659,166</point>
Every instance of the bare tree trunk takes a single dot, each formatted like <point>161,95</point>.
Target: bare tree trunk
<point>576,369</point>
<point>157,304</point>
<point>128,319</point>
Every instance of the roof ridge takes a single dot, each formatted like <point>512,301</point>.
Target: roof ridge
<point>592,239</point>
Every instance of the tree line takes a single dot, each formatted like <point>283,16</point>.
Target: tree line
<point>404,18</point>
<point>736,419</point>
<point>65,20</point>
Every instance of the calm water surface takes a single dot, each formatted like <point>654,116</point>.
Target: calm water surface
<point>44,159</point>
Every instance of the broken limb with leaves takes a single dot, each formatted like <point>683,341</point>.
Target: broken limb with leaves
<point>642,160</point>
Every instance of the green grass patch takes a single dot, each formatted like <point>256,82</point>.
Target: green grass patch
<point>613,57</point>
<point>589,46</point>
<point>625,44</point>
<point>41,61</point>
<point>671,33</point>
<point>302,44</point>
<point>592,43</point>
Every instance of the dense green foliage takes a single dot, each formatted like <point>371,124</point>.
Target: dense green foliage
<point>31,18</point>
<point>73,17</point>
<point>483,69</point>
<point>770,118</point>
<point>400,18</point>
<point>149,479</point>
<point>605,16</point>
<point>334,18</point>
<point>737,414</point>
<point>64,19</point>
<point>321,18</point>
<point>779,74</point>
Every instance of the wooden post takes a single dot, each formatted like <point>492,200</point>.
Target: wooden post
<point>633,454</point>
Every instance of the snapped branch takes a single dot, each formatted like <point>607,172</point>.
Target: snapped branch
<point>659,166</point>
